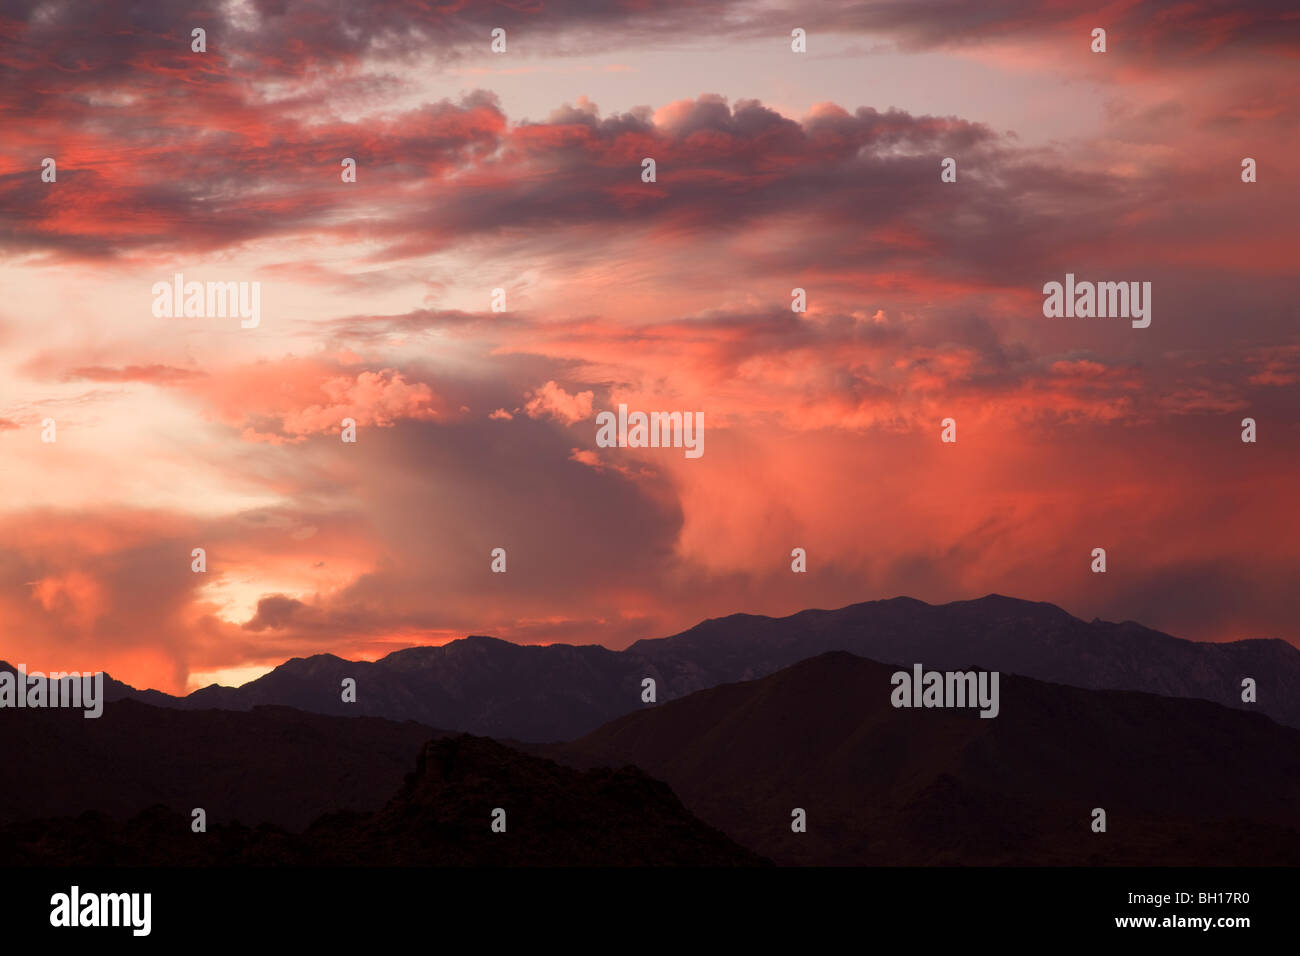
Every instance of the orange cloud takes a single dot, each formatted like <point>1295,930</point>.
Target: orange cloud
<point>552,401</point>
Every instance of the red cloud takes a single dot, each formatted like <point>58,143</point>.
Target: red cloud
<point>552,401</point>
<point>292,399</point>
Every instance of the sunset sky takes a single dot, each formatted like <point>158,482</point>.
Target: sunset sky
<point>522,171</point>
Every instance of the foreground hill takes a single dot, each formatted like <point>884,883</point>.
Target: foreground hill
<point>440,816</point>
<point>1183,782</point>
<point>271,764</point>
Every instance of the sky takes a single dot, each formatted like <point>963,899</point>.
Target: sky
<point>522,171</point>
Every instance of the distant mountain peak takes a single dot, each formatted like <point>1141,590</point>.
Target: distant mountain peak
<point>493,687</point>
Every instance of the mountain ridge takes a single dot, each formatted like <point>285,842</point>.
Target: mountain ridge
<point>492,687</point>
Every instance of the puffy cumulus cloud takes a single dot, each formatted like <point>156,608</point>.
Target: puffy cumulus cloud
<point>552,401</point>
<point>449,172</point>
<point>371,398</point>
<point>291,399</point>
<point>718,166</point>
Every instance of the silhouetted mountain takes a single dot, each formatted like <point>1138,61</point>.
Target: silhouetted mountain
<point>1183,782</point>
<point>558,692</point>
<point>1000,633</point>
<point>441,816</point>
<point>116,690</point>
<point>555,816</point>
<point>480,684</point>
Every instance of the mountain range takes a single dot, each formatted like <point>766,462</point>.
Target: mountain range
<point>711,778</point>
<point>491,687</point>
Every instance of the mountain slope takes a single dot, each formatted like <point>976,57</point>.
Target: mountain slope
<point>1183,782</point>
